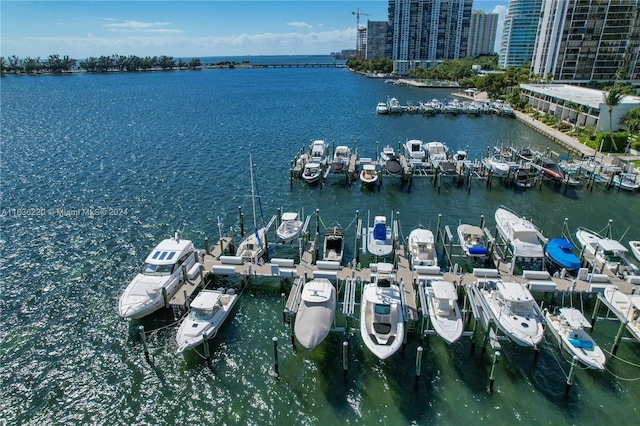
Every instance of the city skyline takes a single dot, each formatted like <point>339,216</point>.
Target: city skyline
<point>189,28</point>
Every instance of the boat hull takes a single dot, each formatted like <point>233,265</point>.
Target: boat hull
<point>315,314</point>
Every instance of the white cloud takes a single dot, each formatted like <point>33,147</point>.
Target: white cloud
<point>138,26</point>
<point>299,24</point>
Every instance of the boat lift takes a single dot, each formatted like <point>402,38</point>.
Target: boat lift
<point>624,322</point>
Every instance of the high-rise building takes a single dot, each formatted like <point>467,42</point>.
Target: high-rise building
<point>377,46</point>
<point>482,33</point>
<point>519,32</point>
<point>422,32</point>
<point>584,40</point>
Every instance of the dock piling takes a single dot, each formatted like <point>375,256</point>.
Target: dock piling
<point>143,338</point>
<point>419,362</point>
<point>345,358</point>
<point>572,370</point>
<point>276,368</point>
<point>492,377</point>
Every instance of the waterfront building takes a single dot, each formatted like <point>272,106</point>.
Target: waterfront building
<point>585,40</point>
<point>377,45</point>
<point>482,33</point>
<point>579,105</point>
<point>519,33</point>
<point>423,32</point>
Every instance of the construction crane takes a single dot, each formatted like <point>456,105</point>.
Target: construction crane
<point>359,39</point>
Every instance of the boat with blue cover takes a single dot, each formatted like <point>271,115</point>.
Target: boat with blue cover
<point>559,254</point>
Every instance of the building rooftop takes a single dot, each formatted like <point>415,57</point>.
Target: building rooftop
<point>580,95</point>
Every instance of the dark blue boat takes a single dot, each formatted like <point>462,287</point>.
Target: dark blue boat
<point>559,252</point>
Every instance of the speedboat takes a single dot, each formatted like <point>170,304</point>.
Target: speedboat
<point>521,235</point>
<point>382,108</point>
<point>341,159</point>
<point>315,312</point>
<point>628,307</point>
<point>513,310</point>
<point>394,106</point>
<point>290,227</point>
<point>436,152</point>
<point>380,238</point>
<point>207,313</point>
<point>422,248</point>
<point>160,275</point>
<point>568,326</point>
<point>526,155</point>
<point>318,151</point>
<point>333,244</point>
<point>635,248</point>
<point>391,161</point>
<point>444,313</point>
<point>626,181</point>
<point>369,174</point>
<point>549,168</point>
<point>559,253</point>
<point>312,172</point>
<point>498,165</point>
<point>414,150</point>
<point>381,313</point>
<point>608,252</point>
<point>472,240</point>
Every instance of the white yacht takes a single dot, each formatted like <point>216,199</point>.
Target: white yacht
<point>569,326</point>
<point>414,150</point>
<point>472,240</point>
<point>422,247</point>
<point>290,227</point>
<point>394,106</point>
<point>369,175</point>
<point>382,313</point>
<point>513,310</point>
<point>607,252</point>
<point>162,270</point>
<point>380,237</point>
<point>436,152</point>
<point>341,159</point>
<point>628,307</point>
<point>207,313</point>
<point>444,313</point>
<point>315,313</point>
<point>318,151</point>
<point>312,172</point>
<point>523,237</point>
<point>498,165</point>
<point>382,108</point>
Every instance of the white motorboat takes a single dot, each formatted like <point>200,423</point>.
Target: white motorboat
<point>391,161</point>
<point>436,152</point>
<point>252,247</point>
<point>523,237</point>
<point>207,313</point>
<point>607,252</point>
<point>513,310</point>
<point>394,106</point>
<point>369,174</point>
<point>626,181</point>
<point>444,313</point>
<point>290,227</point>
<point>472,240</point>
<point>318,151</point>
<point>498,165</point>
<point>382,108</point>
<point>382,313</point>
<point>312,172</point>
<point>333,244</point>
<point>628,307</point>
<point>341,159</point>
<point>380,237</point>
<point>315,312</point>
<point>160,274</point>
<point>635,248</point>
<point>568,326</point>
<point>422,248</point>
<point>414,150</point>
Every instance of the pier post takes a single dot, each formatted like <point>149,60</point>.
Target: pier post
<point>572,370</point>
<point>419,362</point>
<point>207,352</point>
<point>492,377</point>
<point>616,340</point>
<point>276,368</point>
<point>357,242</point>
<point>594,315</point>
<point>185,277</point>
<point>345,358</point>
<point>292,334</point>
<point>165,297</point>
<point>241,221</point>
<point>143,338</point>
<point>206,245</point>
<point>438,227</point>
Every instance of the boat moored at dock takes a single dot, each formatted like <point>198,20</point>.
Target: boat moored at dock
<point>315,313</point>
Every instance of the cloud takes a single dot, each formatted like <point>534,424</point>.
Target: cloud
<point>299,24</point>
<point>138,26</point>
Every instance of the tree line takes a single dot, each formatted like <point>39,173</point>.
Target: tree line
<point>58,65</point>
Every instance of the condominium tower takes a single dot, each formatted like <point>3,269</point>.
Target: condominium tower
<point>519,32</point>
<point>482,33</point>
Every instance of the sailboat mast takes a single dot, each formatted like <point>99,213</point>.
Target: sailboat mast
<point>253,196</point>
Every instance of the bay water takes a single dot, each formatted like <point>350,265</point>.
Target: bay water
<point>96,169</point>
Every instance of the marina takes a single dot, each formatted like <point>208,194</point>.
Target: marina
<point>90,190</point>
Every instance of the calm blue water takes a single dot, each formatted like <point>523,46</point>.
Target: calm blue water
<point>97,168</point>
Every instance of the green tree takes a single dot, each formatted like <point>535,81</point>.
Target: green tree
<point>612,98</point>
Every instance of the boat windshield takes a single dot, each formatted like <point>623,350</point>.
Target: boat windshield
<point>383,309</point>
<point>201,314</point>
<point>150,269</point>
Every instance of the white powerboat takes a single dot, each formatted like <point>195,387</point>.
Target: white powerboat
<point>414,150</point>
<point>381,313</point>
<point>315,313</point>
<point>394,106</point>
<point>162,270</point>
<point>312,172</point>
<point>444,313</point>
<point>333,244</point>
<point>369,174</point>
<point>380,237</point>
<point>513,310</point>
<point>472,240</point>
<point>422,248</point>
<point>382,108</point>
<point>290,227</point>
<point>628,307</point>
<point>207,313</point>
<point>318,151</point>
<point>523,237</point>
<point>626,181</point>
<point>568,326</point>
<point>341,159</point>
<point>498,165</point>
<point>436,152</point>
<point>607,252</point>
<point>635,248</point>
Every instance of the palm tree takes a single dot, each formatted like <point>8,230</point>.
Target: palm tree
<point>612,99</point>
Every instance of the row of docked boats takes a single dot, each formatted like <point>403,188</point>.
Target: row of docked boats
<point>454,107</point>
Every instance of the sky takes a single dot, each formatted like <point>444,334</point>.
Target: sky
<point>185,29</point>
